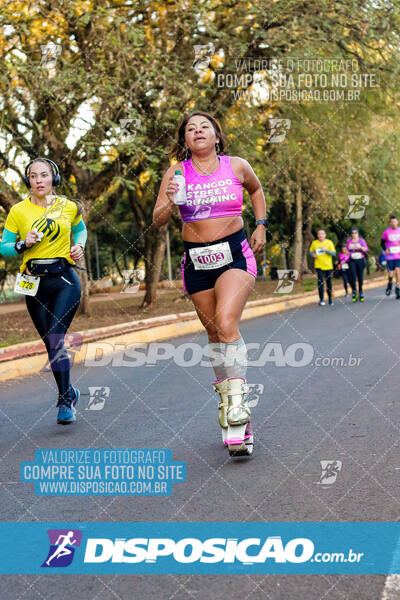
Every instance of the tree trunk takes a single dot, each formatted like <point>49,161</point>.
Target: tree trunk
<point>115,262</point>
<point>307,238</point>
<point>88,256</point>
<point>155,244</point>
<point>283,247</point>
<point>298,232</point>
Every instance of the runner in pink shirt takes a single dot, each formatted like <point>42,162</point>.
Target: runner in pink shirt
<point>358,249</point>
<point>344,267</point>
<point>391,245</point>
<point>218,266</point>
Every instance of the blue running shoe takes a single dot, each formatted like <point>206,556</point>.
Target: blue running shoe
<point>66,410</point>
<point>66,414</point>
<point>76,393</point>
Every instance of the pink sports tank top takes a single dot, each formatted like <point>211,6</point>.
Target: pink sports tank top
<point>211,196</point>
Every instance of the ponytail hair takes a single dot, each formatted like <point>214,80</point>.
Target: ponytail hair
<point>79,206</point>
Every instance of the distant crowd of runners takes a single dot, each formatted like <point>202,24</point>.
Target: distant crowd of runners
<point>352,261</point>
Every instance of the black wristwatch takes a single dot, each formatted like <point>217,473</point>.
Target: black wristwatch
<point>20,246</point>
<point>262,222</point>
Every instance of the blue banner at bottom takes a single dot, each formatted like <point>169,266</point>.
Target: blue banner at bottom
<point>199,548</point>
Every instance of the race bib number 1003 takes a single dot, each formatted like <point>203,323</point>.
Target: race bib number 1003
<point>211,257</point>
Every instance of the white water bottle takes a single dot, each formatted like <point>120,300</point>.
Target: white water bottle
<point>180,195</point>
<point>38,233</point>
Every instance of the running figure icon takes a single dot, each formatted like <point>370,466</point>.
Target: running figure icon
<point>62,549</point>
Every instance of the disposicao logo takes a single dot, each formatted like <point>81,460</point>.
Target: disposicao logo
<point>62,547</point>
<point>190,550</point>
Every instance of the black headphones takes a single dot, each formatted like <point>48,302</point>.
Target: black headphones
<point>54,170</point>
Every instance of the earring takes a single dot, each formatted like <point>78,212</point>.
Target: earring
<point>217,147</point>
<point>188,154</point>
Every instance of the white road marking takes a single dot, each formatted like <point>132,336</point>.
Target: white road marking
<point>391,591</point>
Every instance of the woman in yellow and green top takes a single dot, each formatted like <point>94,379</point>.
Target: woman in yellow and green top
<point>44,222</point>
<point>322,251</point>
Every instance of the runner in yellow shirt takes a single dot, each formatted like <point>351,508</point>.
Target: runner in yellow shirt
<point>322,250</point>
<point>44,222</point>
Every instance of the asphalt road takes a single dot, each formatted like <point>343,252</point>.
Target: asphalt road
<point>305,415</point>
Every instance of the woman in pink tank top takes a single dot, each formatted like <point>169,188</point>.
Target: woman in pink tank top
<point>218,266</point>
